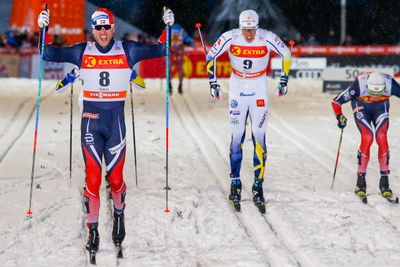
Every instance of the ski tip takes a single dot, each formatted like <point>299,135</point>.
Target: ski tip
<point>166,210</point>
<point>262,209</point>
<point>92,255</point>
<point>120,255</point>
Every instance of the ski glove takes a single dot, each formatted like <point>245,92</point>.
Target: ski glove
<point>282,87</point>
<point>342,121</point>
<point>137,81</point>
<point>67,81</point>
<point>168,17</point>
<point>44,19</point>
<point>215,90</point>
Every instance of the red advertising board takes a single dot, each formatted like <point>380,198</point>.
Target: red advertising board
<point>67,17</point>
<point>194,66</point>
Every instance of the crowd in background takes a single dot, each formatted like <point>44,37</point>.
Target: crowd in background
<point>22,39</point>
<point>331,39</point>
<point>17,39</point>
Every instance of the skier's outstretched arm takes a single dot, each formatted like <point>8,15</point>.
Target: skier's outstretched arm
<point>136,51</point>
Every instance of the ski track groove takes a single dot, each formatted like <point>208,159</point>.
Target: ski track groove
<point>18,136</point>
<point>13,117</point>
<point>242,225</point>
<point>85,255</point>
<point>45,213</point>
<point>17,186</point>
<point>109,224</point>
<point>240,217</point>
<point>53,173</point>
<point>270,225</point>
<point>297,138</point>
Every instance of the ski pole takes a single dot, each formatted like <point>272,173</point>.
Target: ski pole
<point>41,63</point>
<point>134,136</point>
<point>71,97</point>
<point>167,73</point>
<point>198,26</point>
<point>337,157</point>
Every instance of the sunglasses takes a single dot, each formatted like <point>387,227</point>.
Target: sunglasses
<point>99,27</point>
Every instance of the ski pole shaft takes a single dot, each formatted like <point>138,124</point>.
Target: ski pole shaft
<point>134,136</point>
<point>198,26</point>
<point>41,63</point>
<point>167,74</point>
<point>337,157</point>
<point>71,98</point>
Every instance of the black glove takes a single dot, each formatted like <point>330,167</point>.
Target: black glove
<point>342,121</point>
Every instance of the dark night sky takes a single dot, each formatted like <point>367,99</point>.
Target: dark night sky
<point>368,21</point>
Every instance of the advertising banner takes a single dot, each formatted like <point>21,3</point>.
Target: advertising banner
<point>338,79</point>
<point>52,70</point>
<point>9,65</point>
<point>301,67</point>
<point>67,17</point>
<point>194,66</point>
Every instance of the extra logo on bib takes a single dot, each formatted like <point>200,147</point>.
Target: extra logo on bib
<point>104,62</point>
<point>248,51</point>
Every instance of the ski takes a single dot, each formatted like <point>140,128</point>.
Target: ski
<point>391,199</point>
<point>118,250</point>
<point>363,197</point>
<point>261,207</point>
<point>236,205</point>
<point>92,256</point>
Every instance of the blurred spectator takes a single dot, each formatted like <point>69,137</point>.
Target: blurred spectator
<point>125,37</point>
<point>3,41</point>
<point>332,38</point>
<point>34,39</point>
<point>25,42</point>
<point>348,40</point>
<point>59,40</point>
<point>147,39</point>
<point>13,38</point>
<point>179,38</point>
<point>299,40</point>
<point>130,37</point>
<point>89,35</point>
<point>196,42</point>
<point>311,40</point>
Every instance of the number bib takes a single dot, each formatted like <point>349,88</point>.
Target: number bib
<point>248,60</point>
<point>105,75</point>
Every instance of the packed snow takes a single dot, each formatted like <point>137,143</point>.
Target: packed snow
<point>306,223</point>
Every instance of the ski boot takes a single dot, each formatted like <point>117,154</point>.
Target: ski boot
<point>235,195</point>
<point>180,89</point>
<point>92,244</point>
<point>361,187</point>
<point>258,196</point>
<point>118,232</point>
<point>386,192</point>
<point>384,187</point>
